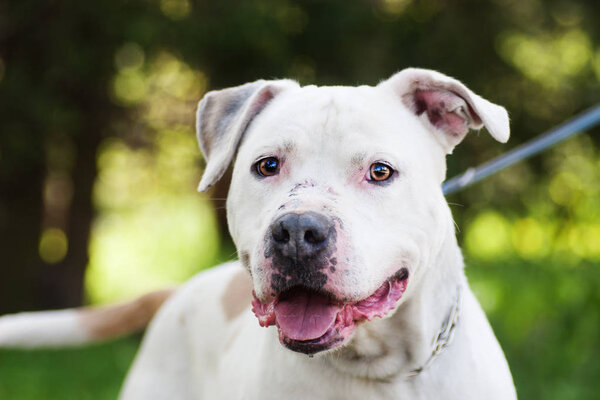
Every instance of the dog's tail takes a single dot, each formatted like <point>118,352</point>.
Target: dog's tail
<point>79,326</point>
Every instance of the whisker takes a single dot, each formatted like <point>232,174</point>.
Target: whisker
<point>456,225</point>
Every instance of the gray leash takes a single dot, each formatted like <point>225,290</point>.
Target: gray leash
<point>572,127</point>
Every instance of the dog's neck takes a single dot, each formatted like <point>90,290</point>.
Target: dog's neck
<point>399,345</point>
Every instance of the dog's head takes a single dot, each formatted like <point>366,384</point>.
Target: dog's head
<point>335,203</point>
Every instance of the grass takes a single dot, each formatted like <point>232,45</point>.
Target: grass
<point>94,372</point>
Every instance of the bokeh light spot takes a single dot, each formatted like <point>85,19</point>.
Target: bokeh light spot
<point>488,236</point>
<point>591,235</point>
<point>177,78</point>
<point>129,56</point>
<point>564,188</point>
<point>596,65</point>
<point>160,243</point>
<point>53,245</point>
<point>130,87</point>
<point>549,60</point>
<point>584,240</point>
<point>175,9</point>
<point>530,239</point>
<point>395,7</point>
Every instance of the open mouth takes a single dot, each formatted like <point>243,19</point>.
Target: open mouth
<point>309,322</point>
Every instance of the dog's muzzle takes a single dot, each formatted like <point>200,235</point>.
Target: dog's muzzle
<point>306,300</point>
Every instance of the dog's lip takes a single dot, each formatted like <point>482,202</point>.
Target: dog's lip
<point>378,304</point>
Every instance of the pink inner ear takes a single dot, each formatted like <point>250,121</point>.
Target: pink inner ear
<point>443,108</point>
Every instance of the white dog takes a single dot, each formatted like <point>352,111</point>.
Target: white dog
<point>347,254</point>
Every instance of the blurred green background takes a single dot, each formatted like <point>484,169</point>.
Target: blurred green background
<point>99,165</point>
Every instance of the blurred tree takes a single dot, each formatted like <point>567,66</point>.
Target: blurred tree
<point>54,111</point>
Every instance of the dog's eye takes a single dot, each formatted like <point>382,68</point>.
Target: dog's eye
<point>380,172</point>
<point>267,166</point>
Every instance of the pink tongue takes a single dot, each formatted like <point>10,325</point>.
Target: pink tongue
<point>304,315</point>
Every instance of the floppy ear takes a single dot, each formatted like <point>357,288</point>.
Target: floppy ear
<point>447,107</point>
<point>222,118</point>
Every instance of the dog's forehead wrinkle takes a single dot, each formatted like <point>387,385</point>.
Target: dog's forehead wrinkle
<point>288,145</point>
<point>327,102</point>
<point>331,111</point>
<point>357,159</point>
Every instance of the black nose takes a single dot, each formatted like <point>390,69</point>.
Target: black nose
<point>301,235</point>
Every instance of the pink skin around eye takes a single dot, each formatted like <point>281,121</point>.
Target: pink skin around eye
<point>360,176</point>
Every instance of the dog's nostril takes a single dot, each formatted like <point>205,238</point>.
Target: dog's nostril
<point>280,234</point>
<point>314,237</point>
<point>300,234</point>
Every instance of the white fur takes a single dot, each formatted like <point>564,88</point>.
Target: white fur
<point>325,136</point>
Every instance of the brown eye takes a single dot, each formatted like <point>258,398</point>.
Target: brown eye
<point>267,166</point>
<point>380,172</point>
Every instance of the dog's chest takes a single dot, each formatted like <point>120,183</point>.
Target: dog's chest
<point>302,385</point>
<point>268,371</point>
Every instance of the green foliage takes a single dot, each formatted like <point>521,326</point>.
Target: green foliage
<point>560,215</point>
<point>153,229</point>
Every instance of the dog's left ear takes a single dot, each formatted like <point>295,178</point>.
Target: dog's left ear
<point>222,118</point>
<point>447,107</point>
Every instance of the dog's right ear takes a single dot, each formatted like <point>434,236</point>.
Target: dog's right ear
<point>222,118</point>
<point>447,107</point>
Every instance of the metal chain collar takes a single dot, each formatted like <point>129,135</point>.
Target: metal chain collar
<point>444,337</point>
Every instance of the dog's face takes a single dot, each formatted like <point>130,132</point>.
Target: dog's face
<point>310,205</point>
<point>335,203</point>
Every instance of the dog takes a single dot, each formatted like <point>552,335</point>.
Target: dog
<point>347,255</point>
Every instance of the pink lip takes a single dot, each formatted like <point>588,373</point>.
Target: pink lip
<point>310,322</point>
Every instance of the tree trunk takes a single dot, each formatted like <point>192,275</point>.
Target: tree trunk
<point>61,285</point>
<point>20,216</point>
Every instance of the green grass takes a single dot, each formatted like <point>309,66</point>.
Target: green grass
<point>94,372</point>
